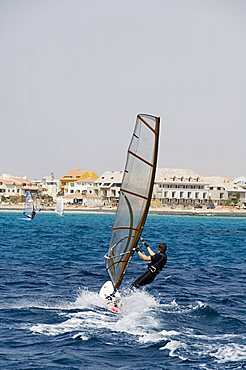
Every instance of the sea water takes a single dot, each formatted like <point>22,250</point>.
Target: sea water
<point>51,316</point>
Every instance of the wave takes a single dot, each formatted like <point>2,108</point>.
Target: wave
<point>142,320</point>
<point>94,315</point>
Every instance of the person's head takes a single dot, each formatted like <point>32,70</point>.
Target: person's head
<point>162,247</point>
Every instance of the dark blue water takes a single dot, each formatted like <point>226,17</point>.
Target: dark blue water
<point>51,317</point>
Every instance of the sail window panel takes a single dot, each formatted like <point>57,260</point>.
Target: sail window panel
<point>149,120</point>
<point>130,210</point>
<point>125,227</point>
<point>28,208</point>
<point>119,252</point>
<point>143,141</point>
<point>137,176</point>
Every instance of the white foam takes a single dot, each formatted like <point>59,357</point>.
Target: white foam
<point>158,336</point>
<point>137,316</point>
<point>80,336</point>
<point>87,299</point>
<point>215,337</point>
<point>56,329</point>
<point>230,353</point>
<point>173,346</point>
<point>173,305</point>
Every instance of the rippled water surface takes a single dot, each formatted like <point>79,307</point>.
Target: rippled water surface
<point>51,317</point>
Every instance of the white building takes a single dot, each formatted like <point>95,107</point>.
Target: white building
<point>84,187</point>
<point>11,186</point>
<point>109,184</point>
<point>174,187</point>
<point>51,186</point>
<point>179,187</point>
<point>222,188</point>
<point>84,192</point>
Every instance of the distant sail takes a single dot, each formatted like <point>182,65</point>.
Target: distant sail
<point>135,196</point>
<point>29,211</point>
<point>59,206</point>
<point>38,205</point>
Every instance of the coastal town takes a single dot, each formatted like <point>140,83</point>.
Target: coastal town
<point>175,190</point>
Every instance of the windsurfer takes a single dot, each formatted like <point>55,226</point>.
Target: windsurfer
<point>157,262</point>
<point>33,214</point>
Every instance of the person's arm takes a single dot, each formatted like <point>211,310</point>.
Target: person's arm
<point>151,253</point>
<point>143,256</point>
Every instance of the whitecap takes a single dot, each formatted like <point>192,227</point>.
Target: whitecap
<point>56,329</point>
<point>138,316</point>
<point>230,353</point>
<point>80,336</point>
<point>158,336</point>
<point>173,346</point>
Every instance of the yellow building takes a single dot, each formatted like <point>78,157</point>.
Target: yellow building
<point>77,175</point>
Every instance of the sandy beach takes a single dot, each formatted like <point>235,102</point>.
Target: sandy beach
<point>228,211</point>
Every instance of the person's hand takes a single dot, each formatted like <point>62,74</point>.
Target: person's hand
<point>137,249</point>
<point>144,243</point>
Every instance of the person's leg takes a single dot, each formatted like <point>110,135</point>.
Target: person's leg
<point>146,278</point>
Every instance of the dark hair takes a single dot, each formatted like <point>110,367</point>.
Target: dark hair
<point>162,247</point>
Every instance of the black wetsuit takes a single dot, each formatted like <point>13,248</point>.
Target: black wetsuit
<point>157,263</point>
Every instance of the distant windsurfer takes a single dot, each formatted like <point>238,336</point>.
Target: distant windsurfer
<point>33,214</point>
<point>157,262</point>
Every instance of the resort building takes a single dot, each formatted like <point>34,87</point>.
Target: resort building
<point>79,187</point>
<point>175,187</point>
<point>241,182</point>
<point>11,186</point>
<point>51,185</point>
<point>74,175</point>
<point>172,187</point>
<point>109,186</point>
<point>221,189</point>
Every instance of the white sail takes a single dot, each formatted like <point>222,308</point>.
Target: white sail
<point>59,206</point>
<point>135,196</point>
<point>38,205</point>
<point>29,210</point>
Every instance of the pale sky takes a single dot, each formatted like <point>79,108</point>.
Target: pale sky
<point>74,74</point>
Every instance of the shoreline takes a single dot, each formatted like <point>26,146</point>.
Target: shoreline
<point>219,211</point>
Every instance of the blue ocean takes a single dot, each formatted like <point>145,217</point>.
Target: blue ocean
<point>51,316</point>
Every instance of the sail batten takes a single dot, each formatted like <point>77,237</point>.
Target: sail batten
<point>140,158</point>
<point>124,228</point>
<point>132,193</point>
<point>146,123</point>
<point>135,196</point>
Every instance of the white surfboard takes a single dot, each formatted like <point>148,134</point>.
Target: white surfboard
<point>105,292</point>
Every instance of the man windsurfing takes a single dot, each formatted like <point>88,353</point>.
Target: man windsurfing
<point>157,262</point>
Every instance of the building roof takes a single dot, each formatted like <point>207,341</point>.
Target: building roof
<point>176,174</point>
<point>77,174</point>
<point>240,180</point>
<point>6,181</point>
<point>15,181</point>
<point>110,177</point>
<point>218,179</point>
